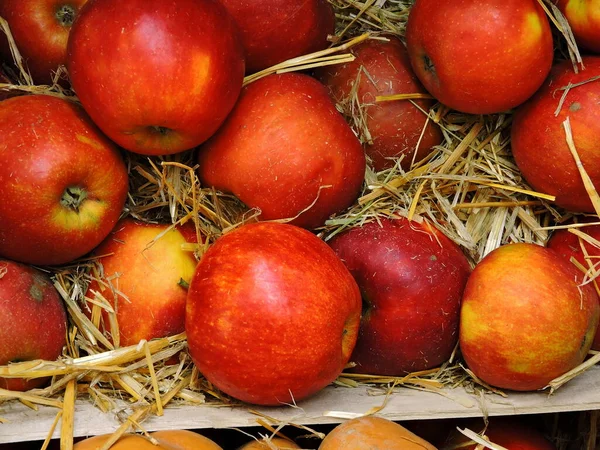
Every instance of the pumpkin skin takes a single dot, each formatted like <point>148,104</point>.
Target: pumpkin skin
<point>279,443</point>
<point>168,440</point>
<point>371,433</point>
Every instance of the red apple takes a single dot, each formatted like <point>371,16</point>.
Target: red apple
<point>539,143</point>
<point>272,314</point>
<point>480,56</point>
<point>412,278</point>
<point>584,19</point>
<point>510,433</point>
<point>286,150</point>
<point>33,321</point>
<point>569,245</point>
<point>62,183</point>
<point>396,128</point>
<point>40,29</point>
<point>525,319</point>
<point>275,30</point>
<point>157,76</point>
<point>146,273</point>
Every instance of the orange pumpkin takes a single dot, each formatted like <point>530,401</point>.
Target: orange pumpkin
<point>279,443</point>
<point>373,433</point>
<point>168,440</point>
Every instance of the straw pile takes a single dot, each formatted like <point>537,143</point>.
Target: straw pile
<point>469,187</point>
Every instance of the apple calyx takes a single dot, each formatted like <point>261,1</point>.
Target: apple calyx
<point>36,293</point>
<point>73,197</point>
<point>65,15</point>
<point>163,131</point>
<point>429,66</point>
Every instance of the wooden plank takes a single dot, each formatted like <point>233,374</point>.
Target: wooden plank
<point>580,394</point>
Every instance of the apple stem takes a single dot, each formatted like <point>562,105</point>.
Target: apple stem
<point>73,197</point>
<point>65,14</point>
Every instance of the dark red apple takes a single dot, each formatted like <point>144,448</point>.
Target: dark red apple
<point>33,321</point>
<point>569,245</point>
<point>480,56</point>
<point>62,183</point>
<point>412,278</point>
<point>525,319</point>
<point>272,314</point>
<point>157,76</point>
<point>276,30</point>
<point>40,29</point>
<point>510,433</point>
<point>584,19</point>
<point>539,140</point>
<point>146,272</point>
<point>287,151</point>
<point>396,128</point>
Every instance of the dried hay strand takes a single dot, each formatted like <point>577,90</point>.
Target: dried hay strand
<point>573,431</point>
<point>469,187</point>
<point>25,77</point>
<point>480,439</point>
<point>355,17</point>
<point>24,83</point>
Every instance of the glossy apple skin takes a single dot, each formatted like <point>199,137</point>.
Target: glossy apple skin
<point>40,29</point>
<point>568,246</point>
<point>524,318</point>
<point>49,146</point>
<point>412,278</point>
<point>485,56</point>
<point>147,272</point>
<point>272,314</point>
<point>276,30</point>
<point>510,433</point>
<point>395,127</point>
<point>157,76</point>
<point>538,136</point>
<point>283,141</point>
<point>584,19</point>
<point>33,321</point>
